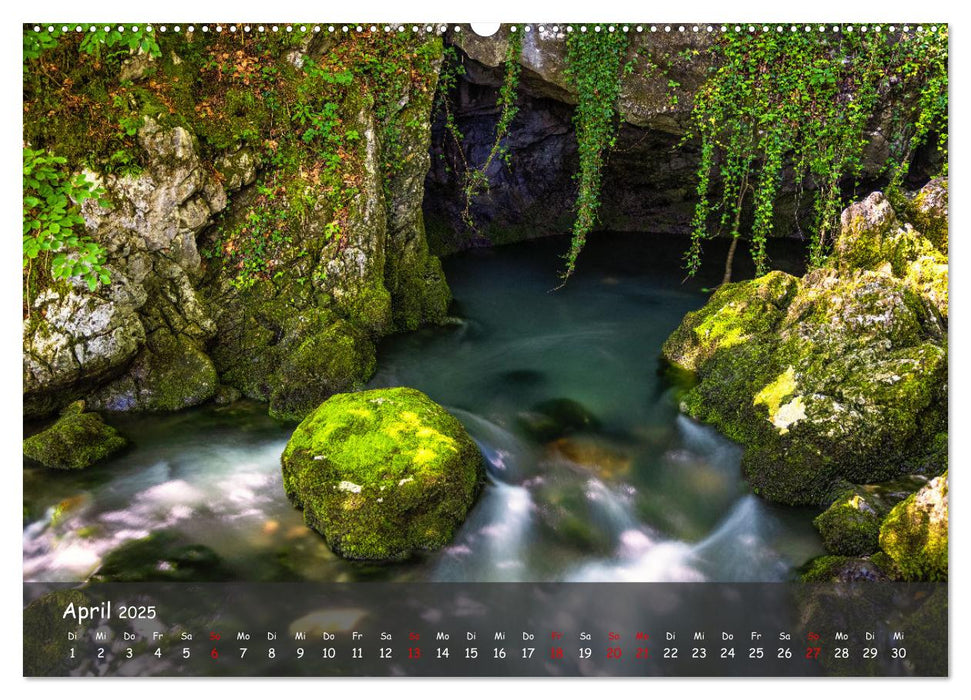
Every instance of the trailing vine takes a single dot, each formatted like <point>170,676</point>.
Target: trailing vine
<point>594,61</point>
<point>779,97</point>
<point>475,180</point>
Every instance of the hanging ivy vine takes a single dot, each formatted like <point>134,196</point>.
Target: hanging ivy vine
<point>594,59</point>
<point>475,180</point>
<point>780,97</point>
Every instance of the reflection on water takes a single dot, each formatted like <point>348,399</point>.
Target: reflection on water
<point>592,473</point>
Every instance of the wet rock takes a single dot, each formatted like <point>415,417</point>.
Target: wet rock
<point>840,374</point>
<point>567,509</point>
<point>77,440</point>
<point>837,569</point>
<point>76,340</point>
<point>172,373</point>
<point>300,337</point>
<point>605,460</point>
<point>163,556</point>
<point>382,473</point>
<point>850,526</point>
<point>554,418</point>
<point>914,534</point>
<point>226,395</point>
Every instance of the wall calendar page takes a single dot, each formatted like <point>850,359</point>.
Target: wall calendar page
<point>529,349</point>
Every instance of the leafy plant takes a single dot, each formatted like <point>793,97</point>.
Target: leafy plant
<point>130,39</point>
<point>594,61</point>
<point>808,100</point>
<point>475,180</point>
<point>53,225</point>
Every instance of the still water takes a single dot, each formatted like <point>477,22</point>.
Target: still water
<point>592,473</point>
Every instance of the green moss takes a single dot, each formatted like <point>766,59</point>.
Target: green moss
<point>77,440</point>
<point>839,569</point>
<point>382,473</point>
<point>371,308</point>
<point>422,295</point>
<point>850,526</point>
<point>915,533</point>
<point>928,212</point>
<point>335,360</point>
<point>735,314</point>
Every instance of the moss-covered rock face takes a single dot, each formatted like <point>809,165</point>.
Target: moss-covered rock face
<point>77,440</point>
<point>839,375</point>
<point>265,227</point>
<point>928,211</point>
<point>914,534</point>
<point>171,373</point>
<point>872,237</point>
<point>382,473</point>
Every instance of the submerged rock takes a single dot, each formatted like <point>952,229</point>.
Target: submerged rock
<point>77,440</point>
<point>163,556</point>
<point>554,418</point>
<point>382,473</point>
<point>605,460</point>
<point>838,375</point>
<point>914,535</point>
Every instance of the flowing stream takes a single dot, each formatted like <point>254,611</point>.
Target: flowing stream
<point>593,475</point>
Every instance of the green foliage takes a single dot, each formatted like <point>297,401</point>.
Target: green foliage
<point>476,179</point>
<point>126,39</point>
<point>35,43</point>
<point>96,39</point>
<point>807,99</point>
<point>53,225</point>
<point>594,62</point>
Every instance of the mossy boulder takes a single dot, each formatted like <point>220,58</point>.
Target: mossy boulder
<point>838,375</point>
<point>77,440</point>
<point>839,569</point>
<point>850,526</point>
<point>914,534</point>
<point>735,314</point>
<point>382,474</point>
